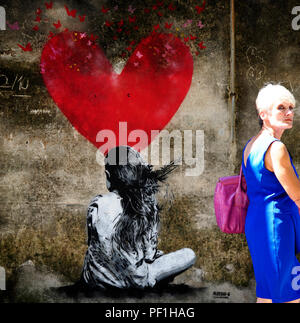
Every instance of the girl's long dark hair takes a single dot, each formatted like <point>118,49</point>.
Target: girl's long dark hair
<point>136,183</point>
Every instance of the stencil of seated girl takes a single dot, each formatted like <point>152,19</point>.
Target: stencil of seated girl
<point>123,228</point>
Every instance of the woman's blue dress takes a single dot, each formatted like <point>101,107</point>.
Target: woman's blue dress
<point>272,228</point>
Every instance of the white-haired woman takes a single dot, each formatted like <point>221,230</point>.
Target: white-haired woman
<point>272,225</point>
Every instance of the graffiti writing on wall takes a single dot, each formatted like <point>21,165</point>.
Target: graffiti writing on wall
<point>257,68</point>
<point>16,88</point>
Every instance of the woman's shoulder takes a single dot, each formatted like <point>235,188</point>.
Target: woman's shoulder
<point>276,155</point>
<point>277,149</point>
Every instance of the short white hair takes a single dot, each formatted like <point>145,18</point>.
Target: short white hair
<point>269,93</point>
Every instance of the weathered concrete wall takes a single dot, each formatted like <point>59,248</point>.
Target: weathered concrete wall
<point>49,171</point>
<point>267,51</point>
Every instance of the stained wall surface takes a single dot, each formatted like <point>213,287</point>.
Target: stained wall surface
<point>49,171</point>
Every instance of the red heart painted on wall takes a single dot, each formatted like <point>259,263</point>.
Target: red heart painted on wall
<point>93,97</point>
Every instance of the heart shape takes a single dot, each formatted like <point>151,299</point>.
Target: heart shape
<point>93,97</point>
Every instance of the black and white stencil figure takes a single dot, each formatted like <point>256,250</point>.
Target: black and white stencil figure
<point>123,228</point>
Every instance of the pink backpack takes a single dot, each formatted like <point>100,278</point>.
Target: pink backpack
<point>231,203</point>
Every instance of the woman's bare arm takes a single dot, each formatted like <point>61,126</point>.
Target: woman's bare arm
<point>278,160</point>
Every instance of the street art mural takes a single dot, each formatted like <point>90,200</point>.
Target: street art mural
<point>81,81</point>
<point>97,97</point>
<point>122,239</point>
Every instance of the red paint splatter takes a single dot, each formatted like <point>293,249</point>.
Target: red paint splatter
<point>57,25</point>
<point>171,7</point>
<point>49,5</point>
<point>93,38</point>
<point>132,19</point>
<point>70,13</point>
<point>201,46</point>
<point>27,48</point>
<point>104,10</point>
<point>82,18</point>
<point>108,23</point>
<point>201,9</point>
